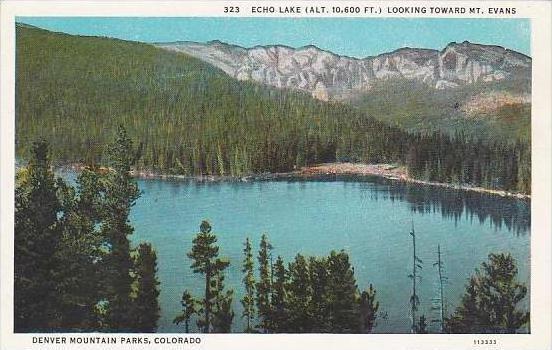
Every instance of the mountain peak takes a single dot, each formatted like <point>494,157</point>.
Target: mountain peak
<point>327,75</point>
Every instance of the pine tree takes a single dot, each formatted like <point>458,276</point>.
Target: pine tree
<point>37,303</point>
<point>263,286</point>
<point>223,315</point>
<point>299,296</point>
<point>146,305</point>
<point>342,294</point>
<point>368,309</point>
<point>188,310</point>
<point>319,308</point>
<point>204,254</point>
<point>248,300</point>
<point>490,304</point>
<point>121,194</point>
<point>81,254</point>
<point>279,298</point>
<point>468,317</point>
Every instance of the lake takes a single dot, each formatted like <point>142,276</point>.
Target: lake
<point>369,218</point>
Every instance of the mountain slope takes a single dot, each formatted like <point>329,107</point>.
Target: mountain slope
<point>188,117</point>
<point>481,90</point>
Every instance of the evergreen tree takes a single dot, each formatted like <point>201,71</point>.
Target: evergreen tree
<point>146,305</point>
<point>299,296</point>
<point>279,297</point>
<point>368,309</point>
<point>264,284</point>
<point>72,251</point>
<point>121,194</point>
<point>188,310</point>
<point>37,303</point>
<point>342,294</point>
<point>223,315</point>
<point>204,254</point>
<point>468,317</point>
<point>319,302</point>
<point>248,300</point>
<point>81,254</point>
<point>490,304</point>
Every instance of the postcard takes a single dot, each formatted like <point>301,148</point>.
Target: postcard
<point>276,175</point>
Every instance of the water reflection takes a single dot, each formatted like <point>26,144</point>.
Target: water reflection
<point>453,204</point>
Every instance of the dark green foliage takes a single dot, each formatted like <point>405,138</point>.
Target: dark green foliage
<point>299,297</point>
<point>223,315</point>
<point>368,309</point>
<point>204,254</point>
<point>490,304</point>
<point>190,118</point>
<point>121,192</point>
<point>38,233</point>
<point>56,251</point>
<point>263,287</point>
<point>248,300</point>
<point>188,310</point>
<point>342,294</point>
<point>72,259</point>
<point>146,306</point>
<point>278,298</point>
<point>462,160</point>
<point>419,107</point>
<point>81,254</point>
<point>321,296</point>
<point>468,317</point>
<point>319,310</point>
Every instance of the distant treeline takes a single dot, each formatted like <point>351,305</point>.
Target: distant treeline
<point>188,117</point>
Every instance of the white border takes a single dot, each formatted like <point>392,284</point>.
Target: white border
<point>538,12</point>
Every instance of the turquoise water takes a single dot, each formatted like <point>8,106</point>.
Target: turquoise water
<point>369,219</point>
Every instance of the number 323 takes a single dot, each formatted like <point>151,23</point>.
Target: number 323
<point>231,9</point>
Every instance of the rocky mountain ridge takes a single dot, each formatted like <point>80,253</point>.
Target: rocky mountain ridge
<point>328,76</point>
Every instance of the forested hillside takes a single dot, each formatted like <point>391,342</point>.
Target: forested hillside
<point>487,111</point>
<point>480,90</point>
<point>190,118</point>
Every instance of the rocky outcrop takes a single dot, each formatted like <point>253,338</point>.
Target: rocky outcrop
<point>328,76</point>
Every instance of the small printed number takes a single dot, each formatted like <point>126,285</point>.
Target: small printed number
<point>484,342</point>
<point>231,9</point>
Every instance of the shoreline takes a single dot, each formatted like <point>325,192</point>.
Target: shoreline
<point>386,171</point>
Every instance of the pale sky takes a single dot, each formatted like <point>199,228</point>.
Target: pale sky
<point>356,37</point>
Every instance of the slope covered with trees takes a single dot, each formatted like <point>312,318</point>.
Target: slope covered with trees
<point>487,111</point>
<point>190,118</point>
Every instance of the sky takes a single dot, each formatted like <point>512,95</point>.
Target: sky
<point>355,37</point>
